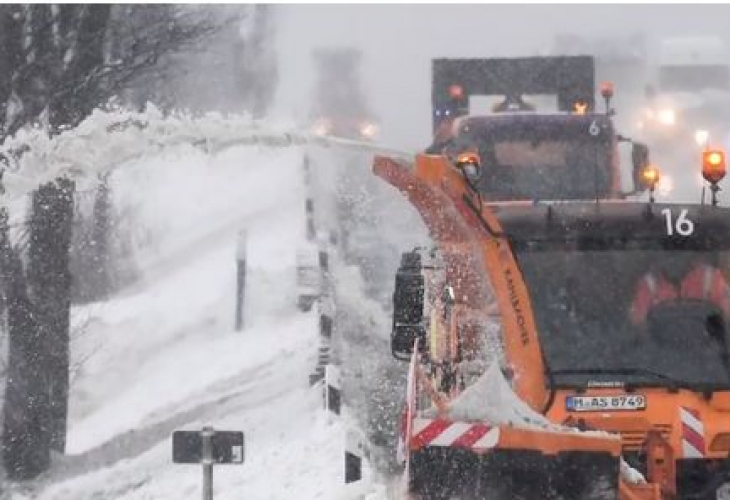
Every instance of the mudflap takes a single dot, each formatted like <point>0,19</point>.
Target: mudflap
<point>441,473</point>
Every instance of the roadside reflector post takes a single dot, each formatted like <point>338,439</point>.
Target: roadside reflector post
<point>354,451</point>
<point>325,325</point>
<point>311,231</point>
<point>323,356</point>
<point>324,262</point>
<point>307,171</point>
<point>240,278</point>
<point>207,436</point>
<point>333,389</point>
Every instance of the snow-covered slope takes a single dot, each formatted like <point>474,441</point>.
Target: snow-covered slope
<point>162,355</point>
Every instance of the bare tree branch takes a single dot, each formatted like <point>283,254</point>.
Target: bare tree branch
<point>69,59</point>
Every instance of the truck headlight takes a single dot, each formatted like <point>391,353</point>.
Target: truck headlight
<point>665,185</point>
<point>322,127</point>
<point>368,130</point>
<point>667,117</point>
<point>701,137</point>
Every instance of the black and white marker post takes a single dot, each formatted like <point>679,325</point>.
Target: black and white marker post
<point>325,343</point>
<point>354,451</point>
<point>240,278</point>
<point>333,389</point>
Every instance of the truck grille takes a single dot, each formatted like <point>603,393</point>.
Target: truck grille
<point>634,440</point>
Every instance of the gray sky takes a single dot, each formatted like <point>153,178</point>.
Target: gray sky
<point>398,42</point>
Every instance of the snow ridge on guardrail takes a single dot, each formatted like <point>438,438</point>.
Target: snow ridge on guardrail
<point>108,139</point>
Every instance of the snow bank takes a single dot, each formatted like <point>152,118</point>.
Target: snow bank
<point>174,204</point>
<point>192,206</point>
<point>491,399</point>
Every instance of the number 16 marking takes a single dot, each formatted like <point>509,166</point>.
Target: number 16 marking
<point>683,226</point>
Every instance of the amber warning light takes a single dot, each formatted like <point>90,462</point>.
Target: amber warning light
<point>714,167</point>
<point>468,158</point>
<point>468,163</point>
<point>650,176</point>
<point>580,107</point>
<point>607,90</point>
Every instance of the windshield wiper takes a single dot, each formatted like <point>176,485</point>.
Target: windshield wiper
<point>675,383</point>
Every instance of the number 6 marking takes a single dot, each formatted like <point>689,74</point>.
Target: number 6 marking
<point>594,129</point>
<point>682,226</point>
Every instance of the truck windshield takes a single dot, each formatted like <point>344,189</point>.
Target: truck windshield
<point>631,314</point>
<point>541,159</point>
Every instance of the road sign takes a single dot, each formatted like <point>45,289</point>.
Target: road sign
<point>227,447</point>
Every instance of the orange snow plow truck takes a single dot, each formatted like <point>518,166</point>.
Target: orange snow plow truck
<point>562,350</point>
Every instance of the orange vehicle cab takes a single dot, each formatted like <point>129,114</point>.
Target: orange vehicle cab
<point>528,378</point>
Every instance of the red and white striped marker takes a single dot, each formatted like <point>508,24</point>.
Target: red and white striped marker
<point>441,432</point>
<point>408,415</point>
<point>693,433</point>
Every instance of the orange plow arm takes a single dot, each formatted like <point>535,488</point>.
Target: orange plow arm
<point>479,263</point>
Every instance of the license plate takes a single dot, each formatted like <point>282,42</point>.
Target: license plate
<point>623,402</point>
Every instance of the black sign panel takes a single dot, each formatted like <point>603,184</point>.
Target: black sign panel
<point>227,447</point>
<point>570,78</point>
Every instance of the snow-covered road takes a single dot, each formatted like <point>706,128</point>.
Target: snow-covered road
<point>162,355</point>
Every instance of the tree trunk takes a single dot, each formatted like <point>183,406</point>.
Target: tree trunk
<point>26,435</point>
<point>11,58</point>
<point>100,235</point>
<point>49,281</point>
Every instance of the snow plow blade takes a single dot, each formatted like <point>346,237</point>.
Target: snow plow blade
<point>477,461</point>
<point>449,473</point>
